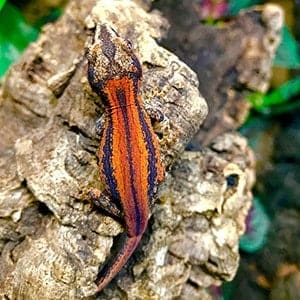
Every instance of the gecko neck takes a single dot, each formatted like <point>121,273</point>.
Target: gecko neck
<point>121,92</point>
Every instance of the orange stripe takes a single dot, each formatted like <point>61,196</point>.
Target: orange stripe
<point>120,161</point>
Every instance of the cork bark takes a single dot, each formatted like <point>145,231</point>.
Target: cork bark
<point>52,239</point>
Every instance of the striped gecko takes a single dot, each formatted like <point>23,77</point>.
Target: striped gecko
<point>129,158</point>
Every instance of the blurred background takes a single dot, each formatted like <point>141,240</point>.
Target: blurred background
<point>270,248</point>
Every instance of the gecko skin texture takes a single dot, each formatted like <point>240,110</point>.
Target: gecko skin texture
<point>129,157</point>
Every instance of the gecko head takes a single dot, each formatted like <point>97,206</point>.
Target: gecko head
<point>110,57</point>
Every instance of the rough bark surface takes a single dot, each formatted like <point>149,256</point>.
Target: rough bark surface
<point>52,240</point>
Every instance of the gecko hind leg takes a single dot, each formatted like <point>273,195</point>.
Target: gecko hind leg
<point>103,201</point>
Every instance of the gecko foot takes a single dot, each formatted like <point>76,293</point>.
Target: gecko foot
<point>103,201</point>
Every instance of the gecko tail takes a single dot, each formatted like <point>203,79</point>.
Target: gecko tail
<point>112,267</point>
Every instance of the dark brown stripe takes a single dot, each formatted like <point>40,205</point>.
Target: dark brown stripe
<point>152,159</point>
<point>107,161</point>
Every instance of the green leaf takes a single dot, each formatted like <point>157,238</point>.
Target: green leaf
<point>8,54</point>
<point>15,35</point>
<point>257,228</point>
<point>228,289</point>
<point>280,95</point>
<point>2,2</point>
<point>288,52</point>
<point>281,109</point>
<point>236,5</point>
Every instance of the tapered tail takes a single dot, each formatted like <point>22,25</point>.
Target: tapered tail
<point>111,269</point>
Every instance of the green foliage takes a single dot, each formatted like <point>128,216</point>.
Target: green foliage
<point>257,227</point>
<point>236,5</point>
<point>2,2</point>
<point>280,97</point>
<point>15,35</point>
<point>228,290</point>
<point>8,54</point>
<point>281,109</point>
<point>279,101</point>
<point>288,54</point>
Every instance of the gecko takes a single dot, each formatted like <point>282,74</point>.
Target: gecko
<point>130,164</point>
